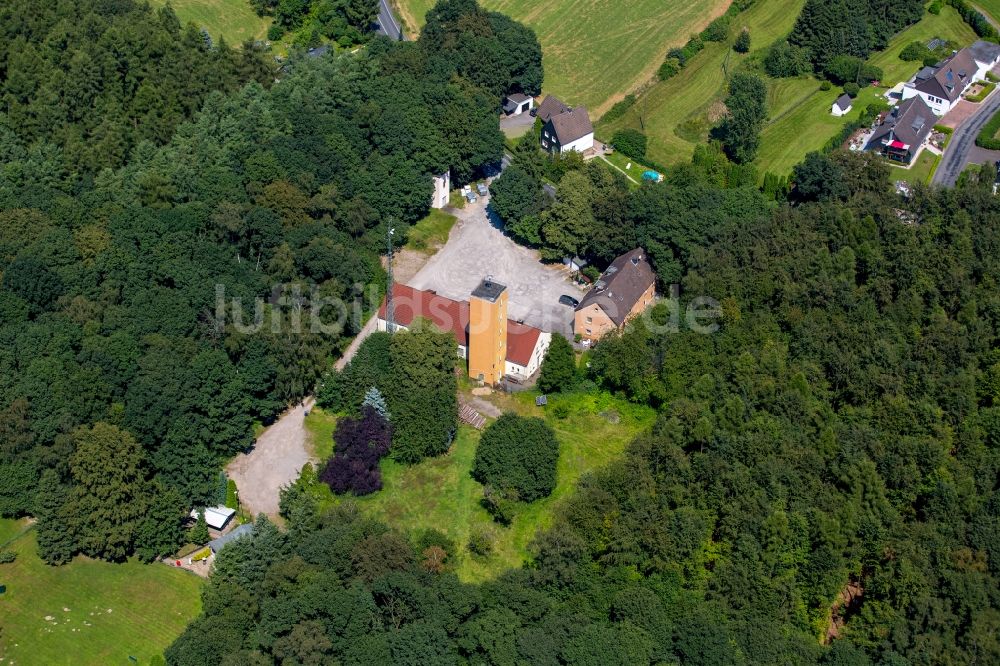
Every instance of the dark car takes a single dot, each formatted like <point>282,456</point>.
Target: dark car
<point>568,300</point>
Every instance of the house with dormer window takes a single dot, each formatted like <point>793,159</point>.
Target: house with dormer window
<point>942,86</point>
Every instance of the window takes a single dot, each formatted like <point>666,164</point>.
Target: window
<point>588,330</point>
<point>590,320</point>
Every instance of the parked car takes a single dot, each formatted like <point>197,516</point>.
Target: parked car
<point>481,188</point>
<point>568,300</point>
<point>471,197</point>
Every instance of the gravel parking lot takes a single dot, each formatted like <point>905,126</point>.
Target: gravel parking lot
<point>477,248</point>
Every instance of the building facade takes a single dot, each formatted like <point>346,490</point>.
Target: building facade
<point>623,291</point>
<point>494,347</point>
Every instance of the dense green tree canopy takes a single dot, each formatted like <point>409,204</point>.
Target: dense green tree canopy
<point>518,453</point>
<point>836,434</point>
<point>188,285</point>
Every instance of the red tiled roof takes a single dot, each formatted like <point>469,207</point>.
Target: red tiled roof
<point>521,341</point>
<point>448,315</point>
<point>453,316</point>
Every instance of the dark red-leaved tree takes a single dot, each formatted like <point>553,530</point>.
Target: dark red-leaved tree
<point>359,446</point>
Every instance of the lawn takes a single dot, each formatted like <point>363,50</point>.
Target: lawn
<point>431,233</point>
<point>233,20</point>
<point>596,51</point>
<point>800,118</point>
<point>677,114</point>
<point>89,612</point>
<point>801,122</point>
<point>920,172</point>
<point>990,7</point>
<point>948,25</point>
<point>320,425</point>
<point>440,493</point>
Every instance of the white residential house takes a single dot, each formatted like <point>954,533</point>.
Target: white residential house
<point>941,87</point>
<point>565,129</point>
<point>442,190</point>
<point>842,106</point>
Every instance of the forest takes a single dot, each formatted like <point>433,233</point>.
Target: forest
<point>274,193</point>
<point>821,485</point>
<point>822,482</point>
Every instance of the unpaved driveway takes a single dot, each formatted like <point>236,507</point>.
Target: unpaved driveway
<point>477,248</point>
<point>275,461</point>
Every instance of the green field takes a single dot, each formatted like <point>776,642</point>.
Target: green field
<point>800,118</point>
<point>801,121</point>
<point>948,25</point>
<point>233,20</point>
<point>989,7</point>
<point>677,114</point>
<point>89,612</point>
<point>596,51</point>
<point>440,493</point>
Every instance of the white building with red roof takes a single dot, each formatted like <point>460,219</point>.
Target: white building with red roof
<point>525,345</point>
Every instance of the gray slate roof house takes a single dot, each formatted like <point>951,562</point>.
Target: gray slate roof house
<point>987,53</point>
<point>951,77</point>
<point>621,286</point>
<point>843,102</point>
<point>904,130</point>
<point>550,106</point>
<point>243,530</point>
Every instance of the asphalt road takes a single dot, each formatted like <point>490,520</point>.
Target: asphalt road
<point>387,23</point>
<point>963,140</point>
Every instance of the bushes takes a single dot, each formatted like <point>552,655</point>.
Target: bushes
<point>849,69</point>
<point>979,23</point>
<point>518,454</point>
<point>630,142</point>
<point>944,129</point>
<point>981,95</point>
<point>559,365</point>
<point>740,129</point>
<point>669,68</point>
<point>784,59</point>
<point>825,85</point>
<point>742,43</point>
<point>360,445</point>
<point>914,51</point>
<point>987,136</point>
<point>934,7</point>
<point>717,30</point>
<point>619,109</point>
<point>851,89</point>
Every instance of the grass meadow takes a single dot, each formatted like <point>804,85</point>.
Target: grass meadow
<point>88,612</point>
<point>431,233</point>
<point>596,51</point>
<point>439,492</point>
<point>232,20</point>
<point>676,114</point>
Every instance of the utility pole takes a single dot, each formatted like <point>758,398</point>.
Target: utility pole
<point>390,324</point>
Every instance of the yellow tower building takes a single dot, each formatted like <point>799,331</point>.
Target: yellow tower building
<point>488,332</point>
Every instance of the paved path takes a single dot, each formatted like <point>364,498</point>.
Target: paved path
<point>275,461</point>
<point>963,140</point>
<point>388,24</point>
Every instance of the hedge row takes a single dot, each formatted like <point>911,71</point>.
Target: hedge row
<point>987,136</point>
<point>979,23</point>
<point>716,31</point>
